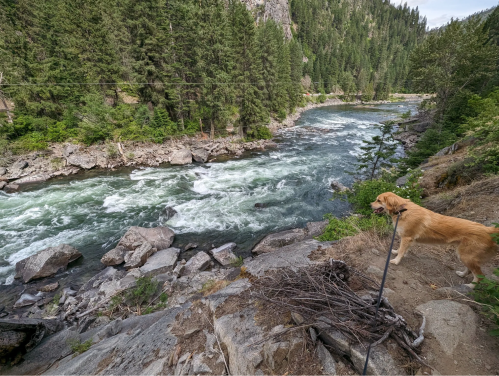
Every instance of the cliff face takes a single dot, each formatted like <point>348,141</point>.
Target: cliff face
<point>278,10</point>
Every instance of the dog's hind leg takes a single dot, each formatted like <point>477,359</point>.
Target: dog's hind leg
<point>405,243</point>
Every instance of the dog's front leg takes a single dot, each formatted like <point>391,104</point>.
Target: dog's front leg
<point>405,243</point>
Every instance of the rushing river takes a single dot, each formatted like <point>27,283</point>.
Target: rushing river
<point>215,201</point>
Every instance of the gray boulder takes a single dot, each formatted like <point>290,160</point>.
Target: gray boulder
<point>46,262</point>
<point>402,180</point>
<point>140,256</point>
<point>115,256</point>
<point>224,254</point>
<point>158,237</point>
<point>181,157</point>
<point>3,171</point>
<point>338,187</point>
<point>70,149</point>
<point>161,262</point>
<point>11,188</point>
<point>316,228</point>
<point>199,262</point>
<point>2,184</point>
<point>278,240</point>
<point>200,155</point>
<point>26,300</point>
<point>326,359</point>
<point>33,179</point>
<point>169,212</point>
<point>449,322</point>
<point>81,160</point>
<point>50,287</point>
<point>19,165</point>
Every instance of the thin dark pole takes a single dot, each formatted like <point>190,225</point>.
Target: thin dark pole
<point>382,286</point>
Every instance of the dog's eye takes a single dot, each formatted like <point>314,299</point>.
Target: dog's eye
<point>379,201</point>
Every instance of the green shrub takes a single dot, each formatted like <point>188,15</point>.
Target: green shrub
<point>322,98</point>
<point>259,133</point>
<point>349,226</point>
<point>144,291</point>
<point>78,347</point>
<point>281,115</point>
<point>406,115</point>
<point>239,261</point>
<point>112,151</point>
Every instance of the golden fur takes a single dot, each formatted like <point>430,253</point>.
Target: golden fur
<point>475,245</point>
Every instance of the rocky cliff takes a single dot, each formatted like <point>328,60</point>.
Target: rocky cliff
<point>278,10</point>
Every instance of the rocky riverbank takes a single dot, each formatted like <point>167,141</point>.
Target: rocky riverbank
<point>69,159</point>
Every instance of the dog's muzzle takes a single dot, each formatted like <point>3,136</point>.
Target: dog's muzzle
<point>379,210</point>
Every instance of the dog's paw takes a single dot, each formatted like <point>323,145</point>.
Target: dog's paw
<point>461,274</point>
<point>470,285</point>
<point>395,252</point>
<point>394,261</point>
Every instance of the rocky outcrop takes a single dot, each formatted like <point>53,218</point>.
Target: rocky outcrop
<point>137,245</point>
<point>277,10</point>
<point>84,161</point>
<point>46,262</point>
<point>181,157</point>
<point>200,155</point>
<point>161,262</point>
<point>278,240</point>
<point>224,254</point>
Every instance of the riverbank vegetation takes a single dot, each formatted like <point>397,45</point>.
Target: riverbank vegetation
<point>154,70</point>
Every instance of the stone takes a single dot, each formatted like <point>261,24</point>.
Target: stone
<point>38,178</point>
<point>115,256</point>
<point>2,184</point>
<point>70,149</point>
<point>293,256</point>
<point>313,335</point>
<point>402,180</point>
<point>224,254</point>
<point>104,275</point>
<point>327,361</point>
<point>316,228</point>
<point>380,361</point>
<point>297,318</point>
<point>421,127</point>
<point>46,262</point>
<point>181,157</point>
<point>218,298</point>
<point>50,287</point>
<point>338,187</point>
<point>169,213</point>
<point>200,155</point>
<point>158,237</point>
<point>449,322</point>
<point>190,246</point>
<point>21,164</point>
<point>140,256</point>
<point>278,240</point>
<point>26,300</point>
<point>375,271</point>
<point>3,171</point>
<point>11,188</point>
<point>81,160</point>
<point>161,262</point>
<point>199,262</point>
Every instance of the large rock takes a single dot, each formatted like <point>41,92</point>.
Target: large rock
<point>2,184</point>
<point>26,300</point>
<point>20,336</point>
<point>181,157</point>
<point>338,187</point>
<point>140,256</point>
<point>200,155</point>
<point>224,254</point>
<point>278,240</point>
<point>70,149</point>
<point>291,256</point>
<point>326,359</point>
<point>161,262</point>
<point>39,178</point>
<point>316,228</point>
<point>115,256</point>
<point>46,263</point>
<point>449,322</point>
<point>82,160</point>
<point>197,263</point>
<point>3,171</point>
<point>158,237</point>
<point>11,188</point>
<point>19,165</point>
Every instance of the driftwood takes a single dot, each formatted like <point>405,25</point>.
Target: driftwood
<point>324,295</point>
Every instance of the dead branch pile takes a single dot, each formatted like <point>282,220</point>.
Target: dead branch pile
<point>324,296</point>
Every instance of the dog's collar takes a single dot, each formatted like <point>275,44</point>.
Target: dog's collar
<point>400,211</point>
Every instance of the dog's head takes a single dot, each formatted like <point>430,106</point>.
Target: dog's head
<point>388,202</point>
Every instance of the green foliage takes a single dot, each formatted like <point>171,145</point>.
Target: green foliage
<point>239,261</point>
<point>406,115</point>
<point>363,193</point>
<point>486,292</point>
<point>112,151</point>
<point>339,228</point>
<point>56,299</point>
<point>378,152</point>
<point>144,291</point>
<point>281,115</point>
<point>322,98</point>
<point>78,347</point>
<point>260,133</point>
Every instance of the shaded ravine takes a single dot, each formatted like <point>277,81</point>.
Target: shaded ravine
<point>215,201</point>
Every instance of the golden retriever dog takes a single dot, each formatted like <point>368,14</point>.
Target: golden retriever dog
<point>475,245</point>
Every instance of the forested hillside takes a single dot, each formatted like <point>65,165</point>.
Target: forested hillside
<point>149,70</point>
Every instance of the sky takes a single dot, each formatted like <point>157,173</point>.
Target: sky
<point>439,12</point>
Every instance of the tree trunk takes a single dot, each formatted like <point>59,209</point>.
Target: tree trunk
<point>212,136</point>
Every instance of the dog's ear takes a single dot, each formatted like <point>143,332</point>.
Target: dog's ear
<point>393,202</point>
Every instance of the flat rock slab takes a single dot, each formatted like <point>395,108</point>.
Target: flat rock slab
<point>451,323</point>
<point>46,262</point>
<point>161,262</point>
<point>115,256</point>
<point>278,240</point>
<point>224,254</point>
<point>81,160</point>
<point>199,262</point>
<point>158,237</point>
<point>140,256</point>
<point>292,256</point>
<point>181,157</point>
